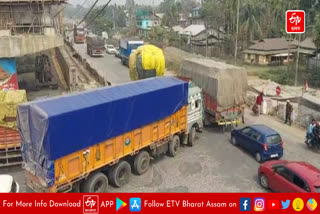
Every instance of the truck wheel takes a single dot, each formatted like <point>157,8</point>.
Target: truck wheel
<point>96,183</point>
<point>141,163</point>
<point>174,146</point>
<point>192,136</point>
<point>120,174</point>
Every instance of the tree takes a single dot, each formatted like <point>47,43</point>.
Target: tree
<point>251,20</point>
<point>171,10</point>
<point>101,23</point>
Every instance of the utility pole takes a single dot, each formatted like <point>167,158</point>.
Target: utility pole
<point>153,16</point>
<point>288,58</point>
<point>236,48</point>
<point>297,62</point>
<point>114,18</point>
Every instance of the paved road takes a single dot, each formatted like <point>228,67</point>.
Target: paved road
<point>212,165</point>
<point>108,66</point>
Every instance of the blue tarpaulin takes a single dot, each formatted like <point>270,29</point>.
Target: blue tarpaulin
<point>56,127</point>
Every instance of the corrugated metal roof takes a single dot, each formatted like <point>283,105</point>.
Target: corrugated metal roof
<point>177,28</point>
<point>270,44</point>
<point>193,30</point>
<point>308,43</point>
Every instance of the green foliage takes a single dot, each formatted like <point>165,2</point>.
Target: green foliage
<point>101,23</point>
<point>281,76</point>
<point>315,74</point>
<point>316,31</point>
<point>172,9</point>
<point>158,34</point>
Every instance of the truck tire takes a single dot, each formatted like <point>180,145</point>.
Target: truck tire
<point>120,174</point>
<point>174,146</point>
<point>96,183</point>
<point>192,136</point>
<point>141,163</point>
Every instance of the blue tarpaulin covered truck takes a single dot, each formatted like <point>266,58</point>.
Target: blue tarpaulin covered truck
<point>126,47</point>
<point>87,139</point>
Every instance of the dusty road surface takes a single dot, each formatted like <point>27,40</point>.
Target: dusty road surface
<point>108,66</point>
<point>212,165</point>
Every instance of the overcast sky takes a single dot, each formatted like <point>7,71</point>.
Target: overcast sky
<point>90,2</point>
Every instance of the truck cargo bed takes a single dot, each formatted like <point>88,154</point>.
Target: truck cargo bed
<point>57,127</point>
<point>10,147</point>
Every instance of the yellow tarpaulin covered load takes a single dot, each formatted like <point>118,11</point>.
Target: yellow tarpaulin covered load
<point>147,61</point>
<point>9,101</point>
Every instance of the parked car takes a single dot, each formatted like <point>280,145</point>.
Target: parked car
<point>260,140</point>
<point>110,49</point>
<point>286,176</point>
<point>8,185</point>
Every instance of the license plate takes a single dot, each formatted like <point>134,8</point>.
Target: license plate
<point>274,156</point>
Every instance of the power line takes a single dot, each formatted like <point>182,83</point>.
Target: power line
<point>88,13</point>
<point>98,13</point>
<point>60,11</point>
<point>81,7</point>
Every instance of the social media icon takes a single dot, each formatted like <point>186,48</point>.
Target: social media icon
<point>298,204</point>
<point>135,204</point>
<point>245,204</point>
<point>312,204</point>
<point>273,204</point>
<point>285,204</point>
<point>259,204</point>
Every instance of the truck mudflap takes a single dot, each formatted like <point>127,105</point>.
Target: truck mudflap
<point>35,183</point>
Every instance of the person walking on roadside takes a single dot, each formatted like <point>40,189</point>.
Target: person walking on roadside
<point>243,107</point>
<point>289,110</point>
<point>259,102</point>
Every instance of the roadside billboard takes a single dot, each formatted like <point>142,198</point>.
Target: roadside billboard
<point>8,74</point>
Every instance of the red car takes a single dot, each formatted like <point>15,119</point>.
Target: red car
<point>285,176</point>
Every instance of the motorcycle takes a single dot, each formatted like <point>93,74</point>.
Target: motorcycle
<point>313,143</point>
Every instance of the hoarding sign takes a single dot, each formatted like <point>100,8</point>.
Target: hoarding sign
<point>8,74</point>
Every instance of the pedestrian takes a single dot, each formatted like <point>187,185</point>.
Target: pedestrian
<point>243,107</point>
<point>289,110</point>
<point>311,126</point>
<point>259,102</point>
<point>315,134</point>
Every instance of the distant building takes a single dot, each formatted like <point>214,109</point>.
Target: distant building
<point>270,51</point>
<point>160,18</point>
<point>307,47</point>
<point>199,35</point>
<point>195,18</point>
<point>177,29</point>
<point>182,20</point>
<point>195,31</point>
<point>146,19</point>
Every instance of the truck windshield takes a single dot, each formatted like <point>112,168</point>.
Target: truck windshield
<point>273,140</point>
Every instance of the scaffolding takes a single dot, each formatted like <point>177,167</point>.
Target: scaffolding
<point>29,17</point>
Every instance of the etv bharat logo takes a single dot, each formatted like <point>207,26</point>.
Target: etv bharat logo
<point>295,21</point>
<point>90,204</point>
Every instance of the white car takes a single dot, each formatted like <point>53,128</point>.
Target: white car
<point>8,185</point>
<point>110,49</point>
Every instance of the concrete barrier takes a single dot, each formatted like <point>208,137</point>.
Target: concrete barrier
<point>87,66</point>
